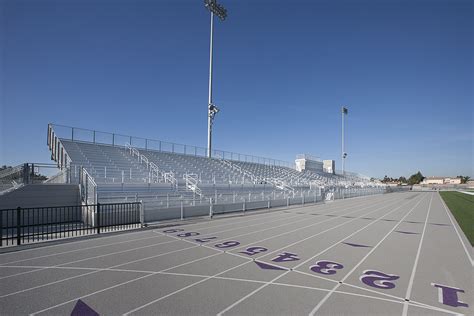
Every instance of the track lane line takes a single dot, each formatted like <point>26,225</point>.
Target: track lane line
<point>177,239</point>
<point>96,237</point>
<point>417,257</point>
<point>85,274</point>
<point>249,260</point>
<point>120,284</point>
<point>457,232</point>
<point>285,233</point>
<point>262,217</point>
<point>162,234</point>
<point>305,261</point>
<point>318,306</point>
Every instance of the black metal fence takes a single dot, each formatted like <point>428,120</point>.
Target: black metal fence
<point>26,225</point>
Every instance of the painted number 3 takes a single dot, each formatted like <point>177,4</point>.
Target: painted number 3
<point>326,267</point>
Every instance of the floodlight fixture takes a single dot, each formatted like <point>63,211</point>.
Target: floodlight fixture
<point>213,110</point>
<point>218,10</point>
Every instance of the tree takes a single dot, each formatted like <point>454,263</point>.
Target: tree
<point>464,179</point>
<point>402,179</point>
<point>415,178</point>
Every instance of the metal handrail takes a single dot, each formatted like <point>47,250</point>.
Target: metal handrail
<point>187,149</point>
<point>9,171</point>
<point>192,183</point>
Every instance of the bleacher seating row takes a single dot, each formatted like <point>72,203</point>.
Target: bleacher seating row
<point>123,173</point>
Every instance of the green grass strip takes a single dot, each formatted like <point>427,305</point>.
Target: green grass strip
<point>462,207</point>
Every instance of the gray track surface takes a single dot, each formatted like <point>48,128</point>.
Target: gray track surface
<point>327,259</point>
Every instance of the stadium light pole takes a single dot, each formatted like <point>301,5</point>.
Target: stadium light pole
<point>344,112</point>
<point>221,13</point>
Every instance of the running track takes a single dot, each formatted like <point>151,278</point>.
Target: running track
<point>393,254</point>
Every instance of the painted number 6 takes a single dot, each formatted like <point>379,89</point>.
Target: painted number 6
<point>227,244</point>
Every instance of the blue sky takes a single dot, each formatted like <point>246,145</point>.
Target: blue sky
<point>282,70</point>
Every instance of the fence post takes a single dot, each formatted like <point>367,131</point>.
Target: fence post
<point>210,208</point>
<point>98,218</point>
<point>182,211</point>
<point>142,214</point>
<point>244,206</point>
<point>287,201</point>
<point>1,229</point>
<point>18,226</point>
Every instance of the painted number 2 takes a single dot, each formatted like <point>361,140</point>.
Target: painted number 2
<point>379,279</point>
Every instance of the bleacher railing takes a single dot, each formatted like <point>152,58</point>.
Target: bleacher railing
<point>31,173</point>
<point>114,139</point>
<point>88,187</point>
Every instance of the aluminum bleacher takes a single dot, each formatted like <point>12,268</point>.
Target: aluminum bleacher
<point>164,178</point>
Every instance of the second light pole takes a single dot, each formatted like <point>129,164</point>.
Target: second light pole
<point>221,12</point>
<point>343,153</point>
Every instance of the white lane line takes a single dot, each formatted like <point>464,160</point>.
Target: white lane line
<point>249,260</point>
<point>196,245</point>
<point>261,216</point>
<point>457,232</point>
<point>100,246</point>
<point>415,304</point>
<point>105,245</point>
<point>69,241</point>
<point>300,264</point>
<point>287,232</point>
<point>175,239</point>
<point>180,290</point>
<point>127,241</point>
<point>317,307</point>
<point>305,287</point>
<point>95,237</point>
<point>417,257</point>
<point>84,274</point>
<point>253,219</point>
<point>330,207</point>
<point>123,283</point>
<point>94,257</point>
<point>76,250</point>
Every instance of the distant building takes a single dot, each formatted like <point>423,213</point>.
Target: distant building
<point>329,166</point>
<point>308,162</point>
<point>452,181</point>
<point>441,180</point>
